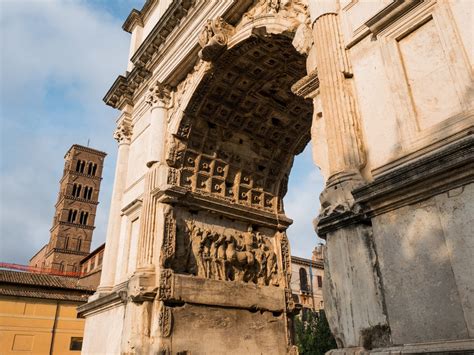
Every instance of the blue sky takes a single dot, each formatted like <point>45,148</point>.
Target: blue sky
<point>57,60</point>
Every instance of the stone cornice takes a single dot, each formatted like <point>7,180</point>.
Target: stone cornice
<point>123,89</point>
<point>74,225</point>
<point>444,169</point>
<point>447,168</point>
<point>181,196</point>
<point>168,21</point>
<point>133,19</point>
<point>122,93</point>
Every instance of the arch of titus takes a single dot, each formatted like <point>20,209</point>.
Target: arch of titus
<point>217,99</point>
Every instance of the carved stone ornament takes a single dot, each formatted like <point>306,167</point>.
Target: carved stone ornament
<point>123,132</point>
<point>165,319</point>
<point>172,178</point>
<point>285,257</point>
<point>246,257</point>
<point>168,247</point>
<point>213,38</point>
<point>159,95</point>
<point>303,39</point>
<point>296,10</point>
<point>166,287</point>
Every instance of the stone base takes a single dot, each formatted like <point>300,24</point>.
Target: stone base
<point>446,347</point>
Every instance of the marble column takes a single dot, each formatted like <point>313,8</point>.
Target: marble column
<point>123,135</point>
<point>159,100</point>
<point>346,154</point>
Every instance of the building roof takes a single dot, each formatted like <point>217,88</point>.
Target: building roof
<point>93,253</point>
<point>307,262</point>
<point>28,284</point>
<point>85,149</point>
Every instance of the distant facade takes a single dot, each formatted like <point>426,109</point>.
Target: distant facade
<point>38,313</point>
<point>73,222</point>
<point>307,280</point>
<point>91,268</point>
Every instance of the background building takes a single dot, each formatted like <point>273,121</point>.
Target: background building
<point>38,313</point>
<point>73,222</point>
<point>307,280</point>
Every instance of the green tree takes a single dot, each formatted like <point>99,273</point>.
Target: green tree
<point>313,335</point>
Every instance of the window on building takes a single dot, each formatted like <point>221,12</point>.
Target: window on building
<point>76,344</point>
<point>71,218</point>
<point>99,261</point>
<point>80,165</point>
<point>87,193</point>
<point>83,217</point>
<point>320,281</point>
<point>61,266</point>
<point>76,190</point>
<point>94,169</point>
<point>303,280</point>
<point>78,245</point>
<point>66,242</point>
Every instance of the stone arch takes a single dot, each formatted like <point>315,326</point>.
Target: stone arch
<point>235,130</point>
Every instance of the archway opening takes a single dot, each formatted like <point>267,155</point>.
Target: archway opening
<point>237,141</point>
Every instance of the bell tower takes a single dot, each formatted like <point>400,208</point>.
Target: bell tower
<point>73,222</point>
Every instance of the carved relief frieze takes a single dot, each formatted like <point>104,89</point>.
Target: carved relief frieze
<point>165,320</point>
<point>230,255</point>
<point>213,38</point>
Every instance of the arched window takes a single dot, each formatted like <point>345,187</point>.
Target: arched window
<point>78,245</point>
<point>71,218</point>
<point>83,217</point>
<point>78,166</point>
<point>94,169</point>
<point>89,168</point>
<point>74,189</point>
<point>61,266</point>
<point>89,193</point>
<point>66,242</point>
<point>303,280</point>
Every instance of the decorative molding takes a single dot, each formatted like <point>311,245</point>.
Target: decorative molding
<point>439,171</point>
<point>167,22</point>
<point>308,86</point>
<point>389,15</point>
<point>134,18</point>
<point>123,89</point>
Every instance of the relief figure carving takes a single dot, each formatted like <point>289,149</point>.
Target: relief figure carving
<point>245,257</point>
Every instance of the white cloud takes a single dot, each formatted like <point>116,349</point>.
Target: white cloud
<point>58,60</point>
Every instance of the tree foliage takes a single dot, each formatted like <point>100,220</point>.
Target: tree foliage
<point>313,335</point>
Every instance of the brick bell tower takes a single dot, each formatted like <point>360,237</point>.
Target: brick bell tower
<point>73,222</point>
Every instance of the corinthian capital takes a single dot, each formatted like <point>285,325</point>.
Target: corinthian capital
<point>123,132</point>
<point>159,95</point>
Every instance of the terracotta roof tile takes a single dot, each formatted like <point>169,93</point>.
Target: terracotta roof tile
<point>43,280</point>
